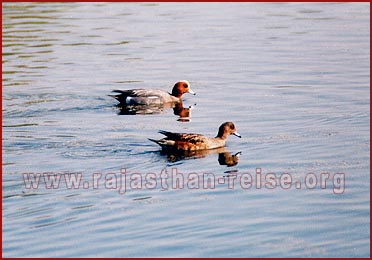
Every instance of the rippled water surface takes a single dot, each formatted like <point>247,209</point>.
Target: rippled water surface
<point>293,77</point>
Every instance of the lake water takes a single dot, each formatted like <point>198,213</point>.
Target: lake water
<point>293,77</point>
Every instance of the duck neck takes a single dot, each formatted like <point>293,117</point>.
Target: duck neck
<point>222,135</point>
<point>176,93</point>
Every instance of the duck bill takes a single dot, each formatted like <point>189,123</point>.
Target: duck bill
<point>191,92</point>
<point>237,134</point>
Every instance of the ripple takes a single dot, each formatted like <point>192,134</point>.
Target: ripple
<point>20,125</point>
<point>288,87</point>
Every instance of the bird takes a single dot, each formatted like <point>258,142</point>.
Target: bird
<point>132,97</point>
<point>195,142</point>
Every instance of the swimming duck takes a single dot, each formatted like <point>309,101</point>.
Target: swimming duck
<point>152,96</point>
<point>194,142</point>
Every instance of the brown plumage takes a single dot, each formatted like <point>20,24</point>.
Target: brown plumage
<point>194,142</point>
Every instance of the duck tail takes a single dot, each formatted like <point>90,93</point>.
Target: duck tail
<point>153,140</point>
<point>162,142</point>
<point>166,133</point>
<point>114,96</point>
<point>159,142</point>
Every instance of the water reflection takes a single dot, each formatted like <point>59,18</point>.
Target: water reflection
<point>224,157</point>
<point>184,113</point>
<point>228,159</point>
<point>294,76</point>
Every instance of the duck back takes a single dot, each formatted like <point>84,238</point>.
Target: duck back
<point>143,97</point>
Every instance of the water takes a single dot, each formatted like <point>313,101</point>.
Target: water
<point>293,77</point>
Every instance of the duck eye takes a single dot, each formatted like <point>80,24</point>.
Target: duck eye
<point>185,85</point>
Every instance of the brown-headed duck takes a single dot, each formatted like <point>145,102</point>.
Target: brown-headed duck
<point>152,96</point>
<point>194,142</point>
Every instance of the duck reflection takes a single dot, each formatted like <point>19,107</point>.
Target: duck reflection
<point>229,159</point>
<point>224,157</point>
<point>184,113</point>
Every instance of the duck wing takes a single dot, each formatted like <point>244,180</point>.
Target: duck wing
<point>182,137</point>
<point>141,92</point>
<point>140,96</point>
<point>121,95</point>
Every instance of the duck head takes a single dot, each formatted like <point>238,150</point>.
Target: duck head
<point>182,87</point>
<point>226,129</point>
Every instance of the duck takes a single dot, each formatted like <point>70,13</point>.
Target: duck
<point>132,97</point>
<point>196,142</point>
